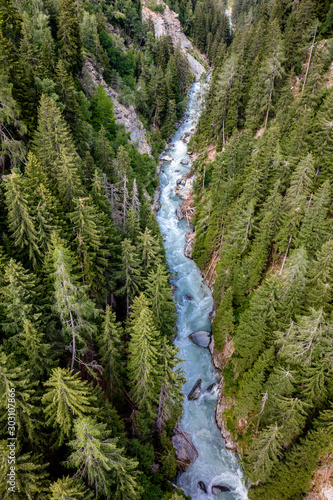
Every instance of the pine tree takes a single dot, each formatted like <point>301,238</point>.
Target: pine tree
<point>110,346</point>
<point>66,397</point>
<point>265,452</point>
<point>144,356</point>
<point>98,458</point>
<point>71,301</point>
<point>68,488</point>
<point>130,273</point>
<point>20,219</point>
<point>69,40</point>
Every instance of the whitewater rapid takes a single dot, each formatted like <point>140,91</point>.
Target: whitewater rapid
<point>215,464</point>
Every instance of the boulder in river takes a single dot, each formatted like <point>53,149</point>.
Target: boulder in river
<point>184,449</point>
<point>219,488</point>
<point>200,338</point>
<point>195,391</point>
<point>210,387</point>
<point>179,181</point>
<point>187,297</point>
<point>184,162</point>
<point>202,486</point>
<point>166,158</point>
<point>179,214</point>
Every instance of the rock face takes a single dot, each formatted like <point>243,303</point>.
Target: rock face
<point>195,391</point>
<point>127,115</point>
<point>230,444</point>
<point>156,205</point>
<point>185,451</point>
<point>200,338</point>
<point>167,23</point>
<point>219,488</point>
<point>189,244</point>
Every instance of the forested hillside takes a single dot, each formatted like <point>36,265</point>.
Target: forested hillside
<point>264,237</point>
<point>86,311</point>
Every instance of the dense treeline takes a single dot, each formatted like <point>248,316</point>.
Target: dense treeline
<point>86,311</point>
<point>264,221</point>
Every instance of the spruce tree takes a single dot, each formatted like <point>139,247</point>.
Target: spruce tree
<point>171,395</point>
<point>69,39</point>
<point>66,397</point>
<point>130,273</point>
<point>143,363</point>
<point>68,488</point>
<point>92,255</point>
<point>30,475</point>
<point>223,324</point>
<point>21,298</point>
<point>265,452</point>
<point>71,301</point>
<point>149,249</point>
<point>54,148</point>
<point>21,221</point>
<point>320,279</point>
<point>158,292</point>
<point>316,228</point>
<point>110,347</point>
<point>97,458</point>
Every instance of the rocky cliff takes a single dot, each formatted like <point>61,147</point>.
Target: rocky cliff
<point>127,115</point>
<point>167,23</point>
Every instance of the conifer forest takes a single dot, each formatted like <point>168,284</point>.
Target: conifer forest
<point>95,98</point>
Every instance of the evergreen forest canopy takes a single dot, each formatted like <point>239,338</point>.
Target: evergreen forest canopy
<point>264,236</point>
<point>86,312</point>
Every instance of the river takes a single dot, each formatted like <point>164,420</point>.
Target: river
<point>215,465</point>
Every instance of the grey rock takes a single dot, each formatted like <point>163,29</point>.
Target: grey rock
<point>187,297</point>
<point>210,387</point>
<point>157,195</point>
<point>179,181</point>
<point>202,486</point>
<point>200,338</point>
<point>195,391</point>
<point>183,449</point>
<point>184,162</point>
<point>179,214</point>
<point>219,488</point>
<point>166,158</point>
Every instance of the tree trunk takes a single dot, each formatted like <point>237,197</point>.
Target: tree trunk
<point>309,62</point>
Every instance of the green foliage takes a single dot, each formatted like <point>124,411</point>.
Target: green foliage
<point>65,398</point>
